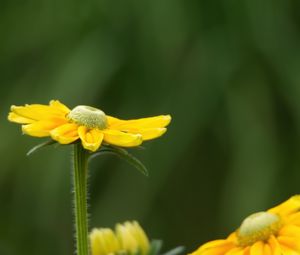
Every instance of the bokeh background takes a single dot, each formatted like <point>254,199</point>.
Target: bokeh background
<point>227,72</point>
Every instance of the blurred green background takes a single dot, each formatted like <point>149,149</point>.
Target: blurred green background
<point>227,72</point>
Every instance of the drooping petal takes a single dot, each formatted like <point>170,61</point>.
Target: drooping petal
<point>35,112</point>
<point>42,128</point>
<point>91,138</point>
<point>123,139</point>
<point>151,122</point>
<point>66,133</point>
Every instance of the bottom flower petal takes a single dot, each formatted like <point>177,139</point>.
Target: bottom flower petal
<point>42,128</point>
<point>151,133</point>
<point>123,139</point>
<point>91,138</point>
<point>65,134</point>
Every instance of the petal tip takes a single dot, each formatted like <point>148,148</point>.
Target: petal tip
<point>168,119</point>
<point>13,107</point>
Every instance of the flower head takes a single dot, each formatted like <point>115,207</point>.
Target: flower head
<point>273,232</point>
<point>128,239</point>
<point>91,125</point>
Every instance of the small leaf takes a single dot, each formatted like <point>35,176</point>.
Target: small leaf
<point>155,247</point>
<point>175,251</point>
<point>123,154</point>
<point>40,146</point>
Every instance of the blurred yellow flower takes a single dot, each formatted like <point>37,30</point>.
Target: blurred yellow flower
<point>274,232</point>
<point>128,238</point>
<point>86,123</point>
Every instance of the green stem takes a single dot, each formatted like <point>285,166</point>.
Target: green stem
<point>80,193</point>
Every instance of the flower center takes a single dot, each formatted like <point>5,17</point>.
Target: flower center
<point>258,227</point>
<point>88,116</point>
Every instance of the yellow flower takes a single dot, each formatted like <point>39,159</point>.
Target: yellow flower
<point>273,232</point>
<point>132,237</point>
<point>104,242</point>
<point>86,123</point>
<point>128,238</point>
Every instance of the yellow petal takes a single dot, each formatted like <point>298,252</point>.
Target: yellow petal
<point>232,237</point>
<point>91,138</point>
<point>40,112</point>
<point>294,219</point>
<point>119,138</point>
<point>58,105</point>
<point>290,206</point>
<point>257,249</point>
<point>246,251</point>
<point>289,242</point>
<point>151,122</point>
<point>65,134</point>
<point>290,230</point>
<point>267,250</point>
<point>216,247</point>
<point>274,245</point>
<point>104,241</point>
<point>18,119</point>
<point>287,251</point>
<point>132,238</point>
<point>112,121</point>
<point>151,133</point>
<point>235,251</point>
<point>42,128</point>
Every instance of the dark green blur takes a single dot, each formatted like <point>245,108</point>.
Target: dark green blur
<point>227,71</point>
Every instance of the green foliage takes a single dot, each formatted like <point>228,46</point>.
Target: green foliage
<point>40,146</point>
<point>123,154</point>
<point>227,72</point>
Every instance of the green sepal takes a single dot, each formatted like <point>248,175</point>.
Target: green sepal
<point>123,154</point>
<point>155,247</point>
<point>40,146</point>
<point>175,251</point>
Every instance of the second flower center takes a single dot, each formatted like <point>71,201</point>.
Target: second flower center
<point>258,227</point>
<point>88,116</point>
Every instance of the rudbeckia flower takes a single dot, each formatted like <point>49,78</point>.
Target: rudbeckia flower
<point>127,239</point>
<point>272,232</point>
<point>91,125</point>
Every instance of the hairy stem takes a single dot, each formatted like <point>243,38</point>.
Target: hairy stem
<point>80,195</point>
